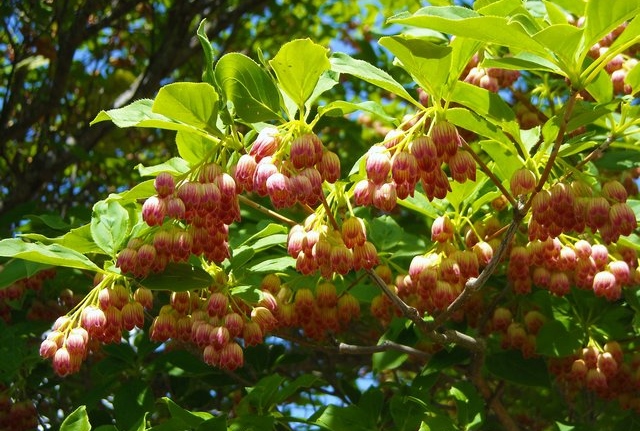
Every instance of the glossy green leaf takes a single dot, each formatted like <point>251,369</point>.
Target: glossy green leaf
<point>469,120</point>
<point>602,16</point>
<point>192,103</point>
<point>274,264</point>
<point>267,231</point>
<point>483,102</point>
<point>52,254</point>
<point>207,49</point>
<point>218,423</point>
<point>555,14</point>
<point>340,108</point>
<point>426,62</point>
<point>243,82</point>
<point>298,66</point>
<point>78,239</point>
<point>326,82</point>
<point>564,40</point>
<point>76,421</point>
<point>601,88</point>
<point>464,22</point>
<point>252,422</point>
<point>406,412</point>
<point>179,277</point>
<point>174,165</point>
<point>193,147</point>
<point>343,63</point>
<point>109,225</point>
<point>350,418</point>
<point>522,61</point>
<point>464,194</point>
<point>289,389</point>
<point>139,114</point>
<point>192,419</point>
<point>512,367</point>
<point>131,402</point>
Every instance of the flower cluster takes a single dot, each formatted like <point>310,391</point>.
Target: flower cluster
<point>287,170</point>
<point>574,207</point>
<point>394,169</point>
<point>190,218</point>
<point>603,370</point>
<point>317,246</point>
<point>108,310</point>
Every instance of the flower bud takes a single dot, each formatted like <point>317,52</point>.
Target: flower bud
<point>442,229</point>
<point>425,153</point>
<point>153,211</point>
<point>523,182</point>
<point>462,167</point>
<point>446,139</point>
<point>164,184</point>
<point>265,144</point>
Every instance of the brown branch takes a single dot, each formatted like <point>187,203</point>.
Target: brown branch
<point>556,148</point>
<point>384,346</point>
<point>447,336</point>
<point>475,284</point>
<point>245,200</point>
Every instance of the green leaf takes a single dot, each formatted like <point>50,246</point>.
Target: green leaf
<point>179,277</point>
<point>564,40</point>
<point>557,341</point>
<point>192,103</point>
<point>109,225</point>
<point>208,52</point>
<point>350,418</point>
<point>511,366</point>
<point>17,269</point>
<point>274,264</point>
<point>298,66</point>
<point>343,63</point>
<point>174,165</point>
<point>218,423</point>
<point>252,423</point>
<point>192,419</point>
<point>483,102</point>
<point>406,412</point>
<point>601,88</point>
<point>522,61</point>
<point>466,193</point>
<point>426,62</point>
<point>602,16</point>
<point>131,402</point>
<point>464,22</point>
<point>243,82</point>
<point>340,108</point>
<point>76,421</point>
<point>139,114</point>
<point>52,254</point>
<point>269,230</point>
<point>291,388</point>
<point>469,120</point>
<point>192,147</point>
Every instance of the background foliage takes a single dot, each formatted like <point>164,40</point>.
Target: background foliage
<point>501,358</point>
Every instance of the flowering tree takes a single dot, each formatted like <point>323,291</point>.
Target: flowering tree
<point>478,264</point>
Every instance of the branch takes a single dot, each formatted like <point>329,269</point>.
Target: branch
<point>384,346</point>
<point>245,200</point>
<point>475,284</point>
<point>447,336</point>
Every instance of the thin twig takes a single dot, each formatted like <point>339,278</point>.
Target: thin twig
<point>384,346</point>
<point>447,336</point>
<point>556,148</point>
<point>475,283</point>
<point>245,200</point>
